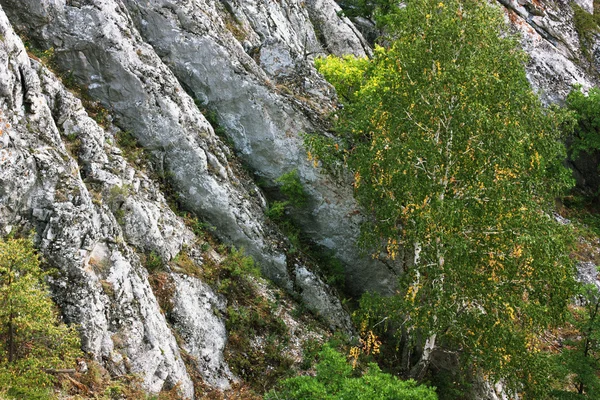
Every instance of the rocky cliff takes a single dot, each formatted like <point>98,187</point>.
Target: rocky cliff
<point>90,167</point>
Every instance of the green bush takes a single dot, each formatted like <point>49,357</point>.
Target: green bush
<point>335,381</point>
<point>32,340</point>
<point>586,137</point>
<point>250,319</point>
<point>276,210</point>
<point>291,187</point>
<point>578,363</point>
<point>152,262</point>
<point>586,25</point>
<point>132,150</point>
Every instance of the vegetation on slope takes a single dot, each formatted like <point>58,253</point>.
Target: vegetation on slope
<point>455,159</point>
<point>33,341</point>
<point>334,380</point>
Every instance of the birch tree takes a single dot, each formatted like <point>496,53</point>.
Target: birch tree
<point>456,161</point>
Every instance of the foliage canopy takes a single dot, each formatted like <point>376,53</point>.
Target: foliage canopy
<point>457,164</point>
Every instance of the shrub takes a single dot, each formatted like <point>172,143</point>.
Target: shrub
<point>578,363</point>
<point>586,136</point>
<point>257,339</point>
<point>586,25</point>
<point>152,262</point>
<point>335,381</point>
<point>33,341</point>
<point>277,210</point>
<point>291,187</point>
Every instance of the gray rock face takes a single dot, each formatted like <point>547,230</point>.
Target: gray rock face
<point>587,273</point>
<point>263,121</point>
<point>316,296</point>
<point>549,36</point>
<point>249,62</point>
<point>338,35</point>
<point>61,174</point>
<point>104,52</point>
<point>204,333</point>
<point>102,286</point>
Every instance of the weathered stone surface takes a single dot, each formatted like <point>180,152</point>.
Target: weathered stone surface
<point>338,35</point>
<point>104,53</point>
<point>317,296</point>
<point>265,122</point>
<point>587,273</point>
<point>194,306</point>
<point>200,43</point>
<point>94,212</point>
<point>549,36</point>
<point>108,296</point>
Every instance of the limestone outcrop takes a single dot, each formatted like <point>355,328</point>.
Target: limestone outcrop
<point>549,36</point>
<point>247,62</point>
<point>101,284</point>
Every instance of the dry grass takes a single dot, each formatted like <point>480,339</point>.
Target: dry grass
<point>163,288</point>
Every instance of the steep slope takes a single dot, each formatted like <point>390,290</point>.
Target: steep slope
<point>156,65</point>
<point>129,55</point>
<point>42,188</point>
<point>97,219</point>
